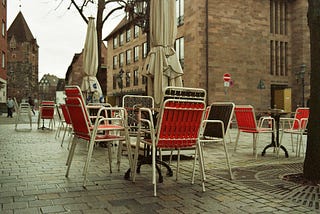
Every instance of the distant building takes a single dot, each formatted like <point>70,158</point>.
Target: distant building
<point>23,59</point>
<point>48,87</point>
<point>3,57</point>
<point>74,73</point>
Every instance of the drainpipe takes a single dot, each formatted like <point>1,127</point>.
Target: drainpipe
<point>207,50</point>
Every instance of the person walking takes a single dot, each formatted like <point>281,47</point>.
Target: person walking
<point>31,103</point>
<point>10,105</point>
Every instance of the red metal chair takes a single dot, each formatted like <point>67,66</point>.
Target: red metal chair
<point>100,131</point>
<point>67,121</point>
<point>246,120</point>
<point>295,126</point>
<point>46,113</point>
<point>177,127</point>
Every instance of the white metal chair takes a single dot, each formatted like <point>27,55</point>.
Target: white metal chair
<point>295,126</point>
<point>24,111</point>
<point>246,121</point>
<point>215,127</point>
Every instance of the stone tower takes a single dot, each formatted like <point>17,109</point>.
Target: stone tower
<point>22,60</point>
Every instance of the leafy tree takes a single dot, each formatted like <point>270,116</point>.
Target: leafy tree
<point>311,169</point>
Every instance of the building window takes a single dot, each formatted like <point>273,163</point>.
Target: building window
<point>115,42</point>
<point>144,50</point>
<point>136,53</point>
<point>128,36</point>
<point>121,59</point>
<point>3,61</point>
<point>128,56</point>
<point>3,27</point>
<point>180,12</point>
<point>135,77</point>
<point>121,39</point>
<point>144,80</point>
<point>114,81</point>
<point>128,77</point>
<point>115,61</point>
<point>136,31</point>
<point>179,46</point>
<point>279,38</point>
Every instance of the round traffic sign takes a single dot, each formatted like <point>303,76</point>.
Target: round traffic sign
<point>226,77</point>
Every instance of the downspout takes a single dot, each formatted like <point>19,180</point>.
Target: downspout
<point>207,50</point>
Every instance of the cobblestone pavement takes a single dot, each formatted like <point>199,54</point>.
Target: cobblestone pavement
<point>32,169</point>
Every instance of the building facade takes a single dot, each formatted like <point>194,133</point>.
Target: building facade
<point>263,45</point>
<point>3,52</point>
<point>22,56</point>
<point>48,87</point>
<point>75,73</point>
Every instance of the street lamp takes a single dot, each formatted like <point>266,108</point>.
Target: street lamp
<point>120,84</point>
<point>300,76</point>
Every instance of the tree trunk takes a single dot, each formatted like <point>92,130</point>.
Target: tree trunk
<point>311,169</point>
<point>101,5</point>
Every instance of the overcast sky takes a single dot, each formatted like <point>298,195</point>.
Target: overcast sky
<point>60,32</point>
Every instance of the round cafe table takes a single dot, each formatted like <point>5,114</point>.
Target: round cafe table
<point>276,114</point>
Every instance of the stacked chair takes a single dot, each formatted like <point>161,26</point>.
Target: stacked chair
<point>104,129</point>
<point>177,127</point>
<point>23,111</point>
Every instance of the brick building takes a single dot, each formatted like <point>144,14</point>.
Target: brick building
<point>22,58</point>
<point>3,52</point>
<point>261,44</point>
<point>74,73</point>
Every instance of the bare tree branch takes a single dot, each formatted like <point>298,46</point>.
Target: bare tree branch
<point>113,10</point>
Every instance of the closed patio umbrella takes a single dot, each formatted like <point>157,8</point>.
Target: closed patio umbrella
<point>90,83</point>
<point>162,64</point>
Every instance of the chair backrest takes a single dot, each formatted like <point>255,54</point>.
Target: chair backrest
<point>75,91</point>
<point>218,111</point>
<point>24,108</point>
<point>131,104</point>
<point>245,117</point>
<point>78,117</point>
<point>179,123</point>
<point>173,92</point>
<point>65,114</point>
<point>47,109</point>
<point>301,113</point>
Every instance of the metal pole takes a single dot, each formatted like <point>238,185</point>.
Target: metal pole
<point>303,92</point>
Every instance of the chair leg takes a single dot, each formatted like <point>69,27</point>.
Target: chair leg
<point>300,143</point>
<point>154,179</point>
<point>86,166</point>
<point>178,165</point>
<point>236,143</point>
<point>227,158</point>
<point>201,165</point>
<point>110,156</point>
<point>71,143</point>
<point>70,156</point>
<point>119,154</point>
<point>194,164</point>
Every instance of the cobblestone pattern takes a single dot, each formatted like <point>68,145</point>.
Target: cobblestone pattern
<point>32,169</point>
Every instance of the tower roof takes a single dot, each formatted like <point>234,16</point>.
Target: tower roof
<point>20,30</point>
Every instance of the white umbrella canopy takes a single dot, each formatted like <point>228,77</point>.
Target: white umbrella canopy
<point>162,64</point>
<point>90,83</point>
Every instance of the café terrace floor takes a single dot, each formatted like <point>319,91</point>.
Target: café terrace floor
<point>32,179</point>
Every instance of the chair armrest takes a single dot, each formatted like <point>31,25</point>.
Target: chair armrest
<point>288,122</point>
<point>118,116</point>
<point>262,120</point>
<point>145,121</point>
